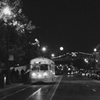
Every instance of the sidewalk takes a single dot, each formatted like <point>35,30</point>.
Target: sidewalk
<point>13,85</point>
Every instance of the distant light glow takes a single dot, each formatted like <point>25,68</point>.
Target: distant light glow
<point>44,49</point>
<point>33,74</point>
<point>61,48</point>
<point>83,74</point>
<point>95,49</point>
<point>11,10</point>
<point>86,60</point>
<point>96,60</point>
<point>36,39</point>
<point>69,68</point>
<point>52,55</point>
<point>6,11</point>
<point>45,74</point>
<point>39,75</point>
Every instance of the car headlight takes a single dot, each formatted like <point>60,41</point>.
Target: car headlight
<point>68,73</point>
<point>83,74</point>
<point>71,72</point>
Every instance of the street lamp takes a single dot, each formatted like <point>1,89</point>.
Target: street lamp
<point>95,49</point>
<point>10,13</point>
<point>6,11</point>
<point>52,55</point>
<point>61,48</point>
<point>44,49</point>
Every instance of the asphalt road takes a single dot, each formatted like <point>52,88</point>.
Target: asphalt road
<point>66,87</point>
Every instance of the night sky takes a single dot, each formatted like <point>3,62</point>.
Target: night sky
<point>73,24</point>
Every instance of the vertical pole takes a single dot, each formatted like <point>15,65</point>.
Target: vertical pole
<point>8,81</point>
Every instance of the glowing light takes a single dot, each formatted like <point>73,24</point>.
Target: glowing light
<point>44,49</point>
<point>61,48</point>
<point>83,74</point>
<point>45,74</point>
<point>11,10</point>
<point>39,75</point>
<point>95,49</point>
<point>7,11</point>
<point>69,68</point>
<point>68,73</point>
<point>86,60</point>
<point>52,55</point>
<point>96,60</point>
<point>33,74</point>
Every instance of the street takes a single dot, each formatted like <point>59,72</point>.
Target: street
<point>66,87</point>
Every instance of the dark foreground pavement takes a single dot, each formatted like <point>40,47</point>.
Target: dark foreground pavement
<point>67,87</point>
<point>77,88</point>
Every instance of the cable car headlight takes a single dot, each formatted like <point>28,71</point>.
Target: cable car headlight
<point>39,75</point>
<point>45,74</point>
<point>33,74</point>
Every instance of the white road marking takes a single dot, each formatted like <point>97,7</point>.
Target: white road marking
<point>14,93</point>
<point>34,93</point>
<point>87,85</point>
<point>94,90</point>
<point>56,88</point>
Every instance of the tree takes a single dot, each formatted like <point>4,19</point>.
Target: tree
<point>13,31</point>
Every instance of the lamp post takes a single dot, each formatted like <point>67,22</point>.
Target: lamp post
<point>7,15</point>
<point>10,13</point>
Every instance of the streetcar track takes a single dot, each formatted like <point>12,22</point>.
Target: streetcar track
<point>14,93</point>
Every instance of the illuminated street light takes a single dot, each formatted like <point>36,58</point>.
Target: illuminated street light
<point>61,48</point>
<point>52,55</point>
<point>95,49</point>
<point>6,11</point>
<point>44,49</point>
<point>7,14</point>
<point>11,15</point>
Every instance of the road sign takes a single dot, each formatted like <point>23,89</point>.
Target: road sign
<point>11,57</point>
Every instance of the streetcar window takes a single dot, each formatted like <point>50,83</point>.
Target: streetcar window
<point>43,67</point>
<point>35,67</point>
